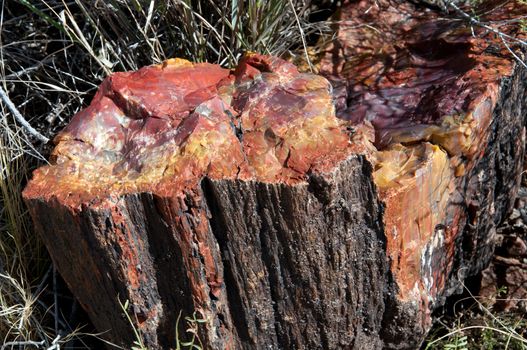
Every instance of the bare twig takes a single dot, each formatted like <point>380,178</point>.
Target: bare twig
<point>500,34</point>
<point>512,52</point>
<point>478,23</point>
<point>55,344</point>
<point>11,344</point>
<point>18,116</point>
<point>27,70</point>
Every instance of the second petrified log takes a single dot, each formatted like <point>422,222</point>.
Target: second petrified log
<point>285,210</point>
<point>448,111</point>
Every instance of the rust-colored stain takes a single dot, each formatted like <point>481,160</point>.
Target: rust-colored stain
<point>128,247</point>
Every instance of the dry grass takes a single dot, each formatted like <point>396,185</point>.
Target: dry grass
<point>124,35</point>
<point>474,324</point>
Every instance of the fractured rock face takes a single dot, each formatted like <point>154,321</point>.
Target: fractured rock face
<point>285,209</point>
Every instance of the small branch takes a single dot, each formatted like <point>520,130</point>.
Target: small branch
<point>501,35</point>
<point>18,116</point>
<point>12,344</point>
<point>27,70</point>
<point>478,23</point>
<point>512,52</point>
<point>55,344</point>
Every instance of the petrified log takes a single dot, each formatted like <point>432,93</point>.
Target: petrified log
<point>284,212</point>
<point>448,110</point>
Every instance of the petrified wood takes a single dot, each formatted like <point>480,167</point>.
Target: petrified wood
<point>287,210</point>
<point>447,106</point>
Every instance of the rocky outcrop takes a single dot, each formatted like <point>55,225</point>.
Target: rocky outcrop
<point>286,209</point>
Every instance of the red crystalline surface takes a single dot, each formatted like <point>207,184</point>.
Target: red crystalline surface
<point>162,128</point>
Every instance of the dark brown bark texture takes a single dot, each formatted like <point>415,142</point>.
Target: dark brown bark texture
<point>291,210</point>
